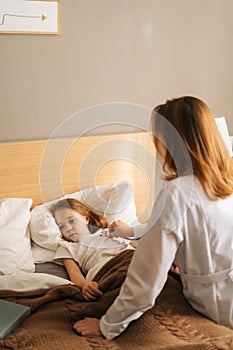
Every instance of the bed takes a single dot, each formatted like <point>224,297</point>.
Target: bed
<point>104,169</point>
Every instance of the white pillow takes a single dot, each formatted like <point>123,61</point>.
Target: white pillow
<point>15,244</point>
<point>42,255</point>
<point>115,201</point>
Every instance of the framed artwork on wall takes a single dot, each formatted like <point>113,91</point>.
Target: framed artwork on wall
<point>30,16</point>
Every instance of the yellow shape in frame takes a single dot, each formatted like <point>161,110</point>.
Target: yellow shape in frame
<point>44,17</point>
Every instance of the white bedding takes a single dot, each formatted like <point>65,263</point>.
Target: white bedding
<point>41,255</point>
<point>22,282</point>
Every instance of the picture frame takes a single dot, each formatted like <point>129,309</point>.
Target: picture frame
<point>29,16</point>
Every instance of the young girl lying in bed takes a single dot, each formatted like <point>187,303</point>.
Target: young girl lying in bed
<point>86,246</point>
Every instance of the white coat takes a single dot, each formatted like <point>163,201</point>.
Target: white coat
<point>195,232</point>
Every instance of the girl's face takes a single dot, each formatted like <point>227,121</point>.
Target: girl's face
<point>71,224</point>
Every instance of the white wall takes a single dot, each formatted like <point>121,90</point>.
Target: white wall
<point>134,51</point>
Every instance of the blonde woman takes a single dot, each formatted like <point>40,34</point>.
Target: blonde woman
<point>191,223</point>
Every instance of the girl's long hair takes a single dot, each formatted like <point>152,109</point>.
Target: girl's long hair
<point>186,136</point>
<point>96,220</point>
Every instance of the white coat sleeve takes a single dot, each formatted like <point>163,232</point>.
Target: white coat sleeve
<point>140,230</point>
<point>147,272</point>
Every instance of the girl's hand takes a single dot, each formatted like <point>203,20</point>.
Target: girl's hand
<point>88,326</point>
<point>91,290</point>
<point>120,229</point>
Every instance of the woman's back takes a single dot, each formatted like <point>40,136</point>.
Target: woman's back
<point>205,253</point>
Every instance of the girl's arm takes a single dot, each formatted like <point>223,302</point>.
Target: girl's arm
<point>74,272</point>
<point>90,289</point>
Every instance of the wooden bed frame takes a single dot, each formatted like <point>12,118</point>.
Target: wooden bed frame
<point>46,169</point>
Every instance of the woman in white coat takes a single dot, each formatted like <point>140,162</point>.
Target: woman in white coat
<point>191,223</point>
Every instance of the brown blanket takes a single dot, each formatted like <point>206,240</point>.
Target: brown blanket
<point>170,324</point>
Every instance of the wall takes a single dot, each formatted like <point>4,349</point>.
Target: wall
<point>131,51</point>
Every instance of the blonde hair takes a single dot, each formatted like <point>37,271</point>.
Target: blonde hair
<point>96,220</point>
<point>199,148</point>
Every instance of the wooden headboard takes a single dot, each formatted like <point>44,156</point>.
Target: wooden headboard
<point>46,169</point>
